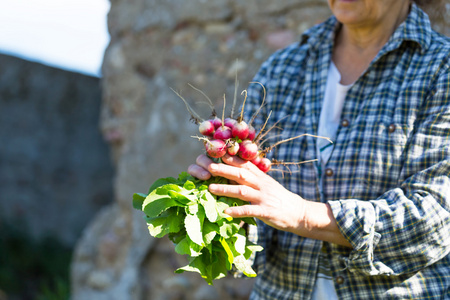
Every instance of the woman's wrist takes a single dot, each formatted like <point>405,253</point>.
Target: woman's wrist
<point>317,222</point>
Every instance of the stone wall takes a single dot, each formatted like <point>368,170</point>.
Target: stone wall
<point>55,170</point>
<point>155,46</point>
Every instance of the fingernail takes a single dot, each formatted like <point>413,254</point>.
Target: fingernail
<point>213,167</point>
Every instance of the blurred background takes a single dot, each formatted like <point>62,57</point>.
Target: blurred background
<point>55,168</point>
<point>87,118</point>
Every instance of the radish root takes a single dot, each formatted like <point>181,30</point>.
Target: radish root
<point>236,84</point>
<point>262,103</point>
<point>197,119</point>
<point>209,102</point>
<point>268,149</point>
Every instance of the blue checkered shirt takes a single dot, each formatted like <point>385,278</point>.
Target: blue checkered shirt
<point>387,180</point>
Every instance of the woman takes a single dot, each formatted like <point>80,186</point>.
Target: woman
<point>371,219</point>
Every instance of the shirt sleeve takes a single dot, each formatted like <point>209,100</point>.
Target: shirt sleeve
<point>407,228</point>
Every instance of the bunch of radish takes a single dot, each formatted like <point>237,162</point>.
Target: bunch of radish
<point>192,217</point>
<point>235,137</point>
<point>231,135</point>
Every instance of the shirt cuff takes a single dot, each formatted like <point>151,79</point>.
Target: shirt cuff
<point>356,221</point>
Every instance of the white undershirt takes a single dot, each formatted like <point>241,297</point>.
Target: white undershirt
<point>330,117</point>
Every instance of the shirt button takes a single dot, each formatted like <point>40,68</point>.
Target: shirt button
<point>345,123</point>
<point>329,172</point>
<point>391,128</point>
<point>339,280</point>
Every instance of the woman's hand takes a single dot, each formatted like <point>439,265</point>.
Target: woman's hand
<point>268,200</point>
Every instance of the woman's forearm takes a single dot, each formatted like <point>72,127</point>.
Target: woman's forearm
<point>319,223</point>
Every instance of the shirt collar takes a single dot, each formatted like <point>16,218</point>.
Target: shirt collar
<point>415,28</point>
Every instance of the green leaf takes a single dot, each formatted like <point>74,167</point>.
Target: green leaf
<point>157,228</point>
<point>250,248</point>
<point>159,200</point>
<point>195,222</point>
<point>210,230</point>
<point>218,269</point>
<point>192,209</point>
<point>208,202</point>
<point>228,229</point>
<point>193,225</point>
<point>187,247</point>
<point>232,201</point>
<point>195,265</point>
<point>138,200</point>
<point>177,237</point>
<point>254,247</point>
<point>161,182</point>
<point>174,219</point>
<point>184,176</point>
<point>239,241</point>
<point>165,189</point>
<point>155,204</point>
<point>220,207</point>
<point>203,187</point>
<point>189,185</point>
<point>182,197</point>
<point>225,202</point>
<point>244,266</point>
<point>169,222</point>
<point>198,265</point>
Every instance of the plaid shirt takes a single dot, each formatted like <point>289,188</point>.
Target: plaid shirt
<point>387,179</point>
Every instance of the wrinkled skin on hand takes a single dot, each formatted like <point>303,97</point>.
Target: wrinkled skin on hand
<point>268,200</point>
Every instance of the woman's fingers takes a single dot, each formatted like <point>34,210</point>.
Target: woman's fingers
<point>244,211</point>
<point>203,161</point>
<point>199,170</point>
<point>239,162</point>
<point>238,171</point>
<point>242,192</point>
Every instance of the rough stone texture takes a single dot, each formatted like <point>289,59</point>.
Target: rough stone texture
<point>156,45</point>
<point>55,170</point>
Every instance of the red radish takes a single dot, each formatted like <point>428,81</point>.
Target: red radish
<point>217,122</point>
<point>251,132</point>
<point>215,148</point>
<point>256,160</point>
<point>229,122</point>
<point>233,148</point>
<point>206,128</point>
<point>222,133</point>
<point>240,130</point>
<point>248,150</point>
<point>236,137</point>
<point>265,164</point>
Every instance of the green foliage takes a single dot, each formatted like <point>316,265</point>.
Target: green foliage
<point>32,269</point>
<point>58,290</point>
<point>194,221</point>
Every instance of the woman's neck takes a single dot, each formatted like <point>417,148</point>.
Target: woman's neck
<point>372,35</point>
<point>356,45</point>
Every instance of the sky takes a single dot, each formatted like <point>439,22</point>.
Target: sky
<point>67,34</point>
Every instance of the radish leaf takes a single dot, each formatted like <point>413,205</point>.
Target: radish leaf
<point>193,219</point>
